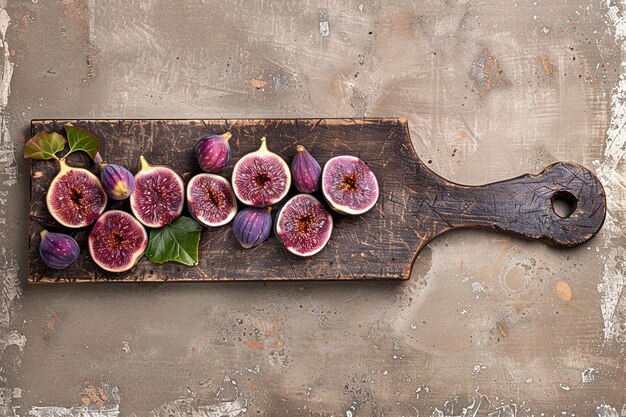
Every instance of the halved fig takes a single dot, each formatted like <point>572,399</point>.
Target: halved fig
<point>75,197</point>
<point>349,185</point>
<point>117,241</point>
<point>159,195</point>
<point>303,225</point>
<point>261,178</point>
<point>210,200</point>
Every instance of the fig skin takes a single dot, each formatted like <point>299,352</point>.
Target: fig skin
<point>305,171</point>
<point>75,197</point>
<point>58,250</point>
<point>303,225</point>
<point>261,178</point>
<point>158,186</point>
<point>209,195</point>
<point>349,185</point>
<point>252,226</point>
<point>117,181</point>
<point>117,236</point>
<point>213,152</point>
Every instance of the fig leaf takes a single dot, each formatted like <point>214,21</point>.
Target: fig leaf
<point>81,140</point>
<point>44,146</point>
<point>176,242</point>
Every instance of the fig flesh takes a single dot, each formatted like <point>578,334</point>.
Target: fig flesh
<point>210,200</point>
<point>75,197</point>
<point>213,152</point>
<point>117,181</point>
<point>58,250</point>
<point>252,226</point>
<point>117,241</point>
<point>159,195</point>
<point>261,178</point>
<point>306,171</point>
<point>349,185</point>
<point>303,225</point>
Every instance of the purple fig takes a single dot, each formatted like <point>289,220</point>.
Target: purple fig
<point>213,152</point>
<point>210,200</point>
<point>58,250</point>
<point>261,178</point>
<point>75,197</point>
<point>349,185</point>
<point>117,181</point>
<point>306,171</point>
<point>252,226</point>
<point>159,195</point>
<point>117,241</point>
<point>303,225</point>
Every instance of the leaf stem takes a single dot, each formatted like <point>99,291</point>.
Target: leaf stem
<point>69,152</point>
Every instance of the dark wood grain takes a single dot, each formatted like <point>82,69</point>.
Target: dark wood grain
<point>415,204</point>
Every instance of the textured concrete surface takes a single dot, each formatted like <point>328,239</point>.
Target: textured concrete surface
<point>487,326</point>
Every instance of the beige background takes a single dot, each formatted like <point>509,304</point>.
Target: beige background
<point>488,324</point>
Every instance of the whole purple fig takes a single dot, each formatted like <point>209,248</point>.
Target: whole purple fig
<point>58,250</point>
<point>252,226</point>
<point>117,181</point>
<point>213,152</point>
<point>306,171</point>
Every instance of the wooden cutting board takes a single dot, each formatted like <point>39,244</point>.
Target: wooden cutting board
<point>415,204</point>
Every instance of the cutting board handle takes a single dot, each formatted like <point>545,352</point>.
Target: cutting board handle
<point>526,205</point>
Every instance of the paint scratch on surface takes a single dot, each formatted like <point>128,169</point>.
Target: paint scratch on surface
<point>183,407</point>
<point>480,406</point>
<point>13,339</point>
<point>101,400</point>
<point>9,281</point>
<point>78,411</point>
<point>487,74</point>
<point>6,397</point>
<point>324,25</point>
<point>9,288</point>
<point>8,163</point>
<point>228,403</point>
<point>588,375</point>
<point>612,173</point>
<point>477,288</point>
<point>324,28</point>
<point>605,410</point>
<point>9,285</point>
<point>9,291</point>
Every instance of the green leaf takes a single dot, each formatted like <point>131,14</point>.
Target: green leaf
<point>176,242</point>
<point>81,140</point>
<point>44,146</point>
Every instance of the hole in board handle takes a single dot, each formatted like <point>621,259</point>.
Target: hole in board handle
<point>564,203</point>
